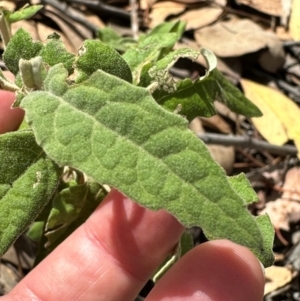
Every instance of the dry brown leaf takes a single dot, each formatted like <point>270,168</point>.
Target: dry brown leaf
<point>95,20</point>
<point>270,7</point>
<point>8,5</point>
<point>277,277</point>
<point>294,24</point>
<point>146,4</point>
<point>282,212</point>
<point>287,112</point>
<point>161,10</point>
<point>197,18</point>
<point>216,122</point>
<point>236,37</point>
<point>291,185</point>
<point>283,34</point>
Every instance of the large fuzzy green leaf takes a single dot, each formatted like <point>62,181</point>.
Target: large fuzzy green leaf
<point>27,181</point>
<point>117,134</point>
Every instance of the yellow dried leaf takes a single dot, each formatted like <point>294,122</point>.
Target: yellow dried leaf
<point>294,24</point>
<point>282,109</point>
<point>270,7</point>
<point>277,277</point>
<point>269,125</point>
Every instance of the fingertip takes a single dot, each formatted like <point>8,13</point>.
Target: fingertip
<point>213,271</point>
<point>10,118</point>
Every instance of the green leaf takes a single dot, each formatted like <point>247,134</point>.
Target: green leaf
<point>94,193</point>
<point>177,27</point>
<point>67,205</point>
<point>146,51</point>
<point>109,37</point>
<point>242,187</point>
<point>193,98</point>
<point>32,72</point>
<point>54,52</point>
<point>35,232</point>
<point>94,55</point>
<point>197,98</point>
<point>117,134</point>
<point>233,98</point>
<point>267,231</point>
<point>24,13</point>
<point>27,181</point>
<point>158,72</point>
<point>19,47</point>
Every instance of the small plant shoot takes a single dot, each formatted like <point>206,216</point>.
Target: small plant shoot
<point>97,119</point>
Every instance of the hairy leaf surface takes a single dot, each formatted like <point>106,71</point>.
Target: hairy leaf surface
<point>117,134</point>
<point>19,47</point>
<point>27,181</point>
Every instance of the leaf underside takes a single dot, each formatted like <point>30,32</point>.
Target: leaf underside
<point>117,134</point>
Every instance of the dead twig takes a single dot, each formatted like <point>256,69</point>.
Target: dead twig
<point>72,13</point>
<point>246,141</point>
<point>104,8</point>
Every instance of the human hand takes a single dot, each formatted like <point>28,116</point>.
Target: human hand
<point>113,254</point>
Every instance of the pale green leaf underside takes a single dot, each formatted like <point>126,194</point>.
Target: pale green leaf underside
<point>116,133</point>
<point>27,181</point>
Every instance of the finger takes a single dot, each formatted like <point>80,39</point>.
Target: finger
<point>108,258</point>
<point>10,119</point>
<point>213,271</point>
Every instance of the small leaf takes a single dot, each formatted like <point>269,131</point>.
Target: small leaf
<point>31,72</point>
<point>146,51</point>
<point>95,55</point>
<point>24,13</point>
<point>109,37</point>
<point>27,181</point>
<point>158,72</point>
<point>177,27</point>
<point>117,134</point>
<point>19,47</point>
<point>94,195</point>
<point>54,52</point>
<point>67,205</point>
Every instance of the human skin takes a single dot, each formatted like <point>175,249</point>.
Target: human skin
<point>113,254</point>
